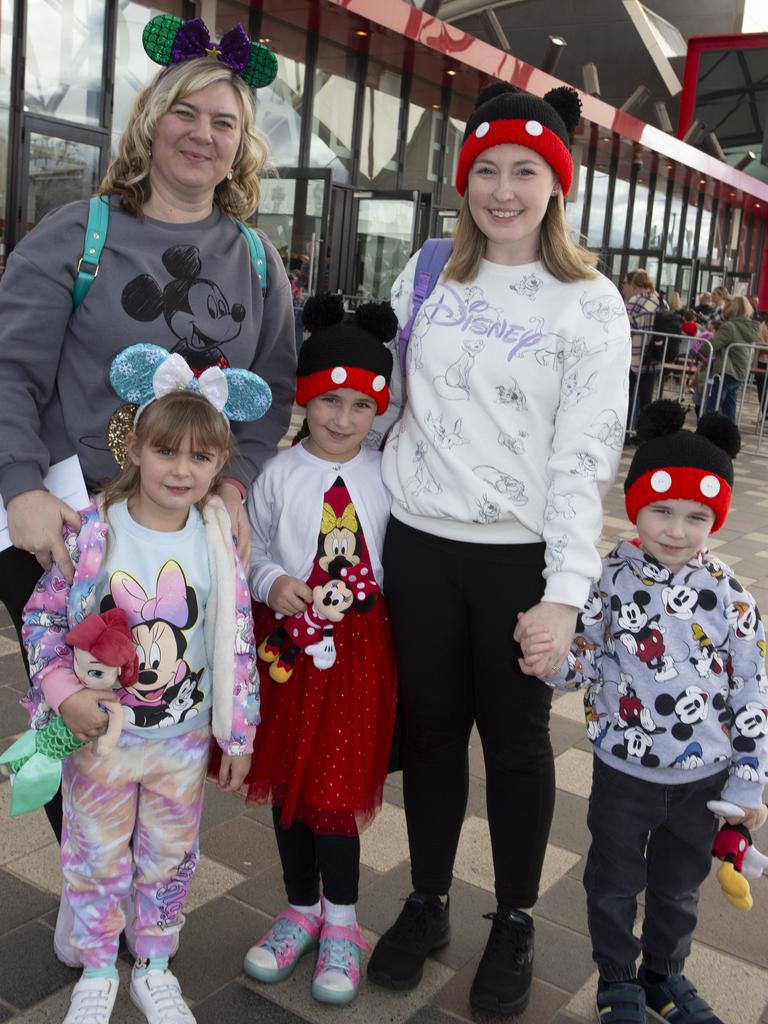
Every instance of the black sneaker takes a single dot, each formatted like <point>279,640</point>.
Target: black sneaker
<point>620,1002</point>
<point>398,959</point>
<point>503,981</point>
<point>676,999</point>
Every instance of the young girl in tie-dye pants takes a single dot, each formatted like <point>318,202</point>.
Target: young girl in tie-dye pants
<point>158,545</point>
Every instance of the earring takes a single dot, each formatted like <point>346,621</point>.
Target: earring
<point>230,174</point>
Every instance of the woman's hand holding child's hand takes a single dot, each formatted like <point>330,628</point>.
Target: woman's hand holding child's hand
<point>545,633</point>
<point>82,714</point>
<point>233,770</point>
<point>538,649</point>
<point>289,595</point>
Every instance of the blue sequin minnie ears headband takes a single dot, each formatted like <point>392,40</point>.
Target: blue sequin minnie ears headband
<point>169,40</point>
<point>143,373</point>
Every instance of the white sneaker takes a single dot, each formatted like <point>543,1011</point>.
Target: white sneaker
<point>158,995</point>
<point>92,1000</point>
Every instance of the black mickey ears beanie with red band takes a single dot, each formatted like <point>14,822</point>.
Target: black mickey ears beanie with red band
<point>504,115</point>
<point>343,353</point>
<point>675,463</point>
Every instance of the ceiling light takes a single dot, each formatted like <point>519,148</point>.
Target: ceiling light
<point>745,161</point>
<point>636,99</point>
<point>361,32</point>
<point>695,129</point>
<point>451,72</point>
<point>553,53</point>
<point>662,116</point>
<point>589,79</point>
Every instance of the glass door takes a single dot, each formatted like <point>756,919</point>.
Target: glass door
<point>293,211</point>
<point>372,236</point>
<point>385,240</point>
<point>445,223</point>
<point>59,164</point>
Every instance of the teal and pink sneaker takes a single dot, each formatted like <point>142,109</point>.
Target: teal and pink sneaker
<point>276,954</point>
<point>337,972</point>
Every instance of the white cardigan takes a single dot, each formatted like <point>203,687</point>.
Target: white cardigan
<point>285,506</point>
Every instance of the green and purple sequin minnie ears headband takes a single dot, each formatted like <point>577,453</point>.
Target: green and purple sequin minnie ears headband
<point>169,40</point>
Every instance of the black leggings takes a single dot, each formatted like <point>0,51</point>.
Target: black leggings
<point>19,572</point>
<point>307,857</point>
<point>453,608</point>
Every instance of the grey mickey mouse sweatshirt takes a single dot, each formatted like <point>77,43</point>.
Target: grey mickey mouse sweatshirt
<point>513,425</point>
<point>674,665</point>
<point>189,287</point>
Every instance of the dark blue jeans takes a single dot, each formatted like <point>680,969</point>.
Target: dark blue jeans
<point>729,398</point>
<point>646,835</point>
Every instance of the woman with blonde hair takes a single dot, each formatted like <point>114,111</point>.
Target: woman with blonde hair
<point>516,377</point>
<point>175,270</point>
<point>739,329</point>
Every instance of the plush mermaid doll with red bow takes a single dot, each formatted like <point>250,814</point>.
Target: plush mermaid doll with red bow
<point>103,656</point>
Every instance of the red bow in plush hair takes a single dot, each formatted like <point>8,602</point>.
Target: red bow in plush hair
<point>108,638</point>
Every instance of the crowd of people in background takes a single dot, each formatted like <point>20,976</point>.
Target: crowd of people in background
<point>661,326</point>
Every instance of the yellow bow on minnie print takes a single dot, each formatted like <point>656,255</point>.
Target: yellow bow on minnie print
<point>346,521</point>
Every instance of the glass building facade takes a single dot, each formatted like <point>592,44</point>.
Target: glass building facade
<point>365,125</point>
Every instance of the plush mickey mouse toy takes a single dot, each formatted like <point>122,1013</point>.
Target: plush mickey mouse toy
<point>741,859</point>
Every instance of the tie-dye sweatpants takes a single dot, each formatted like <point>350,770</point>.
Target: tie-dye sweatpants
<point>131,818</point>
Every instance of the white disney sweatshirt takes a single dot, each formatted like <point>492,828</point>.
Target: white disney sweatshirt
<point>516,396</point>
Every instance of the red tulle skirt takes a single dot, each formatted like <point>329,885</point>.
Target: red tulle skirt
<point>323,746</point>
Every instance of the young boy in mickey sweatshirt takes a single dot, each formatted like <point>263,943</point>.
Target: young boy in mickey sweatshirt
<point>671,649</point>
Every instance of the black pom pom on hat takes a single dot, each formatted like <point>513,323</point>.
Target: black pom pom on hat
<point>673,463</point>
<point>345,353</point>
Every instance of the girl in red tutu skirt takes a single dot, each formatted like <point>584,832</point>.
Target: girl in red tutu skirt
<point>318,514</point>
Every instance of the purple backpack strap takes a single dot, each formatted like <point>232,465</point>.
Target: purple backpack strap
<point>433,256</point>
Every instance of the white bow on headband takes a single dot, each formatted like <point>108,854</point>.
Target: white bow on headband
<point>175,375</point>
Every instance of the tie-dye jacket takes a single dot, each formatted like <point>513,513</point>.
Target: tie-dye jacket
<point>55,607</point>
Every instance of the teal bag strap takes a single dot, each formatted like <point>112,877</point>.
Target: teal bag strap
<point>96,235</point>
<point>93,243</point>
<point>256,250</point>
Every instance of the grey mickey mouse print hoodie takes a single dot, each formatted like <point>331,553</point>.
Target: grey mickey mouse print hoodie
<point>674,669</point>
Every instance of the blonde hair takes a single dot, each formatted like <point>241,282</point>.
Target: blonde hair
<point>167,423</point>
<point>720,294</point>
<point>562,258</point>
<point>128,174</point>
<point>738,306</point>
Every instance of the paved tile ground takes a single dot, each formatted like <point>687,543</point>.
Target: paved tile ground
<point>238,886</point>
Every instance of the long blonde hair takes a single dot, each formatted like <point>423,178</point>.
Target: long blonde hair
<point>738,305</point>
<point>128,174</point>
<point>167,423</point>
<point>560,255</point>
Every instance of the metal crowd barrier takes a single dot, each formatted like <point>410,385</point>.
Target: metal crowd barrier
<point>656,364</point>
<point>748,429</point>
<point>750,414</point>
